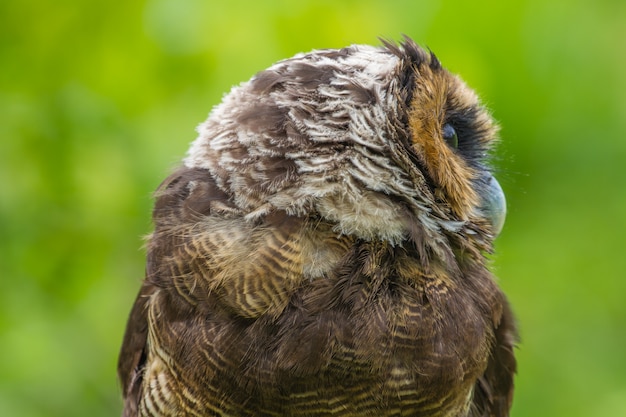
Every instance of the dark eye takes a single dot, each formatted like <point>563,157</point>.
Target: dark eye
<point>449,135</point>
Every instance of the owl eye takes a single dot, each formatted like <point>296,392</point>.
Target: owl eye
<point>450,136</point>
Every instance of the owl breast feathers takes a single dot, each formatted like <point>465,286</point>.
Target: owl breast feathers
<point>321,252</point>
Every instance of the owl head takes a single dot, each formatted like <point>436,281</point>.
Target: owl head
<point>381,142</point>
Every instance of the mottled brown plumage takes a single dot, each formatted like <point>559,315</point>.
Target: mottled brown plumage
<point>322,251</point>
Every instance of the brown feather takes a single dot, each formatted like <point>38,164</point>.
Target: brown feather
<point>322,253</point>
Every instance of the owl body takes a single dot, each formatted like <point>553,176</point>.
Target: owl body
<point>321,251</point>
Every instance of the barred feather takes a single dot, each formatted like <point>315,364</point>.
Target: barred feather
<point>321,252</point>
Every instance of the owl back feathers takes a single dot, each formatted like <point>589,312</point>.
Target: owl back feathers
<point>305,263</point>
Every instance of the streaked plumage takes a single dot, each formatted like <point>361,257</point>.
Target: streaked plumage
<point>321,252</point>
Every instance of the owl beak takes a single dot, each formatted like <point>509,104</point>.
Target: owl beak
<point>493,205</point>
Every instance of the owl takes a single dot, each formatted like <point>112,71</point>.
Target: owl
<point>322,251</point>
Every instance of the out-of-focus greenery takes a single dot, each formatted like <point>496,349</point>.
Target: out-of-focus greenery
<point>99,100</point>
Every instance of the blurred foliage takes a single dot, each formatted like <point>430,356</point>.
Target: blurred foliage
<point>98,101</point>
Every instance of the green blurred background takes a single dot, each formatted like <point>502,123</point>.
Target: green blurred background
<point>99,101</point>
